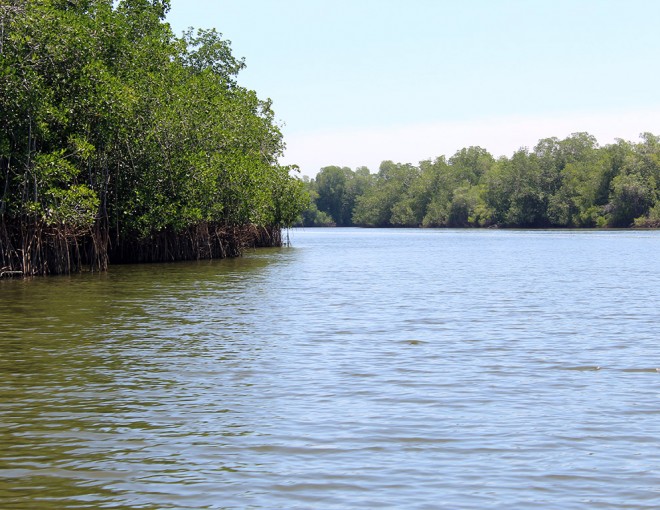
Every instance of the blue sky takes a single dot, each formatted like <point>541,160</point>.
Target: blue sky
<point>355,82</point>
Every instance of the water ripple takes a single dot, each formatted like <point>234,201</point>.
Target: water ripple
<point>358,369</point>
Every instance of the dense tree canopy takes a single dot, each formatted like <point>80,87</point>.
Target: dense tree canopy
<point>559,183</point>
<point>121,140</point>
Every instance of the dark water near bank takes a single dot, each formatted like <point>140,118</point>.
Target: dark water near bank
<point>358,369</point>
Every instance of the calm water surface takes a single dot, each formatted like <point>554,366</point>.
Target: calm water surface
<point>357,369</point>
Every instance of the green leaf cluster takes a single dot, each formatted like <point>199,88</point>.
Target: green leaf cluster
<point>111,122</point>
<point>570,183</point>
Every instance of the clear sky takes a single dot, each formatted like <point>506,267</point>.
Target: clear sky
<point>355,82</point>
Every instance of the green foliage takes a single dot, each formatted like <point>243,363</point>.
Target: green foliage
<point>385,202</point>
<point>334,192</point>
<point>652,220</point>
<point>561,183</point>
<point>207,51</point>
<point>337,189</point>
<point>74,208</point>
<point>289,198</point>
<point>632,196</point>
<point>111,120</point>
<point>311,216</point>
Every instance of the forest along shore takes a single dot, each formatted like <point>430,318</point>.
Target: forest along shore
<point>123,143</point>
<point>569,183</point>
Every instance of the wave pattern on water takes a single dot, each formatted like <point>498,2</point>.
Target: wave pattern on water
<point>358,369</point>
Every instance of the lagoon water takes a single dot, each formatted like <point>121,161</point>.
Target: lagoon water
<point>412,369</point>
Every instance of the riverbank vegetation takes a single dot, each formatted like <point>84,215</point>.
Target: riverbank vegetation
<point>123,143</point>
<point>572,182</point>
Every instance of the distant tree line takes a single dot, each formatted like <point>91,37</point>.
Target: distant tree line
<point>560,183</point>
<point>121,142</point>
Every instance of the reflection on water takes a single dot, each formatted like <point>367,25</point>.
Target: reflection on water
<point>358,369</point>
